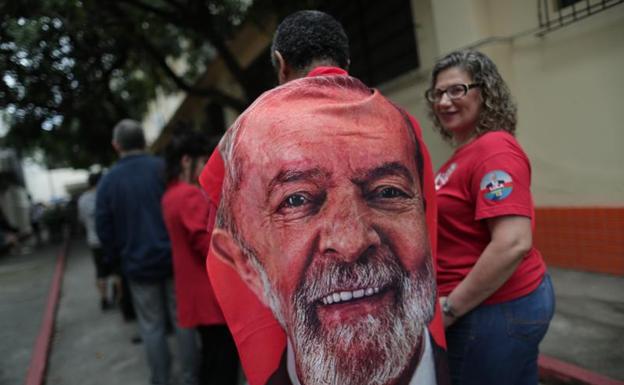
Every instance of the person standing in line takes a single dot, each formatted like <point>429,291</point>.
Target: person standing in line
<point>307,43</point>
<point>130,224</point>
<point>186,212</point>
<point>103,270</point>
<point>496,295</point>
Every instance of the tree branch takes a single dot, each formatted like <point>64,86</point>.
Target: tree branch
<point>228,57</point>
<point>210,92</point>
<point>205,28</point>
<point>163,14</point>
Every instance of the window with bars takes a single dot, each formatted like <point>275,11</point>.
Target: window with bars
<point>554,14</point>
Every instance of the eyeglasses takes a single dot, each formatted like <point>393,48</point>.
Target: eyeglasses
<point>455,91</point>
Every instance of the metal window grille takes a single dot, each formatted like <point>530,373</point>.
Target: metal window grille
<point>554,14</point>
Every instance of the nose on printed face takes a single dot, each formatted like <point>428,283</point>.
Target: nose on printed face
<point>348,231</point>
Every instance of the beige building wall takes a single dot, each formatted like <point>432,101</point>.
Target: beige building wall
<point>568,85</point>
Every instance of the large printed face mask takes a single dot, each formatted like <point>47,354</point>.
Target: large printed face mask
<point>330,229</point>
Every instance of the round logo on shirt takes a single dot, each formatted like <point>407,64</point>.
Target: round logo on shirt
<point>496,185</point>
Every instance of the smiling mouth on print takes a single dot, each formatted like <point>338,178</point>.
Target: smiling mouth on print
<point>342,305</point>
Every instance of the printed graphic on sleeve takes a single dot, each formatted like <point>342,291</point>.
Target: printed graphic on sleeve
<point>496,185</point>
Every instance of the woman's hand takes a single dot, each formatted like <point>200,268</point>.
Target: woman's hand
<point>511,239</point>
<point>447,319</point>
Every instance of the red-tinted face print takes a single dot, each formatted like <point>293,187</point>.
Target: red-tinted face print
<point>330,206</point>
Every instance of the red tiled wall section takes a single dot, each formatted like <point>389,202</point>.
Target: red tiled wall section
<point>590,239</point>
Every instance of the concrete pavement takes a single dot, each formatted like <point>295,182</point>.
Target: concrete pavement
<point>91,347</point>
<point>24,283</point>
<point>588,327</point>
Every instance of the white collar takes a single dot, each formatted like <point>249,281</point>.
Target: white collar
<point>424,374</point>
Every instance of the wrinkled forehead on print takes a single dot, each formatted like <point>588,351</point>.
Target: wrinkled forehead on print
<point>311,104</point>
<point>332,102</point>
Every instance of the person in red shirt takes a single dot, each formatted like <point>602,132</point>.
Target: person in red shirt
<point>186,212</point>
<point>306,44</point>
<point>496,296</point>
<point>323,216</point>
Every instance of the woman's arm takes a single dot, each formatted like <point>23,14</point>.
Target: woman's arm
<point>511,239</point>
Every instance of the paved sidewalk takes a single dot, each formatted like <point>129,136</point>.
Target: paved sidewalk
<point>91,347</point>
<point>588,327</point>
<point>24,284</point>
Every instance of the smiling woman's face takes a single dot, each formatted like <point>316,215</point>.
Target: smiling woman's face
<point>459,116</point>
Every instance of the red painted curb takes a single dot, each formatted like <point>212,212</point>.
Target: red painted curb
<point>39,358</point>
<point>565,373</point>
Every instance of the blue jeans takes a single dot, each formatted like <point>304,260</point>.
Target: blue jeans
<point>153,302</point>
<point>498,344</point>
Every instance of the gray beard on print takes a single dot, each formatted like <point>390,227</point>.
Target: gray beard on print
<point>373,350</point>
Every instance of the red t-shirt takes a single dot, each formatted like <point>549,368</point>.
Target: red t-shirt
<point>259,337</point>
<point>486,178</point>
<point>186,213</point>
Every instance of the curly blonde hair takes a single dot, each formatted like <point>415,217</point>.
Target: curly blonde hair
<point>498,111</point>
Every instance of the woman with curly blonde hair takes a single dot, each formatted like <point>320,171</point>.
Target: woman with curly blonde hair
<point>496,296</point>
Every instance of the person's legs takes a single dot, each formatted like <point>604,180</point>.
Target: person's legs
<point>101,273</point>
<point>207,352</point>
<point>125,300</point>
<point>101,286</point>
<point>186,338</point>
<point>149,304</point>
<point>117,289</point>
<point>498,344</point>
<point>458,337</point>
<point>526,327</point>
<point>219,361</point>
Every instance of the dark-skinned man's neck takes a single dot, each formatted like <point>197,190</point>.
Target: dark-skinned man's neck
<point>297,74</point>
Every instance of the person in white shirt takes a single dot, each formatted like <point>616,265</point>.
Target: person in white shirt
<point>103,270</point>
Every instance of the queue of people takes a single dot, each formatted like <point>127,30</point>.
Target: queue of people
<point>167,281</point>
<point>320,235</point>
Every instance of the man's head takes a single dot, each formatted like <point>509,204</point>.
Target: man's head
<point>322,215</point>
<point>306,39</point>
<point>128,136</point>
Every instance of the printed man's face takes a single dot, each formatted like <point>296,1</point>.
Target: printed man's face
<point>330,206</point>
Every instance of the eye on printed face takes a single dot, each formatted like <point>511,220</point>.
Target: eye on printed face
<point>321,190</point>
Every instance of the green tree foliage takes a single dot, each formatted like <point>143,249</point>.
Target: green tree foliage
<point>72,68</point>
